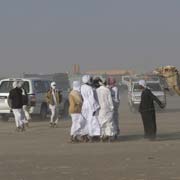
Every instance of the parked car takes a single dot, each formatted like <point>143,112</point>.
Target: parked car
<point>134,94</point>
<point>36,89</point>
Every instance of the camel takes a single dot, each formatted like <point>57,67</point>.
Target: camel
<point>171,75</point>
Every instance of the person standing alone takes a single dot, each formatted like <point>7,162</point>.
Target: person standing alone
<point>147,111</point>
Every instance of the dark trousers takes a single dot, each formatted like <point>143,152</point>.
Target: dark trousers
<point>149,123</point>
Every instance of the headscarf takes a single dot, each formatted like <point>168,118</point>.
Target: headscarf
<point>15,84</point>
<point>142,83</point>
<point>111,81</point>
<point>53,85</point>
<point>96,81</point>
<point>103,82</point>
<point>19,84</point>
<point>86,79</point>
<point>76,86</point>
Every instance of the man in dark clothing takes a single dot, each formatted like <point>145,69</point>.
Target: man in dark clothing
<point>147,110</point>
<point>16,104</point>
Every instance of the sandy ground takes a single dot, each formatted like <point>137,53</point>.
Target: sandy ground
<point>43,153</point>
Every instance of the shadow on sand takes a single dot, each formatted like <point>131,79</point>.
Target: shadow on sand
<point>174,110</point>
<point>168,137</point>
<point>160,137</point>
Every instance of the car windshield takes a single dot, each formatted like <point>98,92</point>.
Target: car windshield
<point>154,86</point>
<point>6,86</point>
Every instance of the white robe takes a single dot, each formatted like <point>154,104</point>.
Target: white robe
<point>77,125</point>
<point>116,101</point>
<point>106,111</point>
<point>90,105</point>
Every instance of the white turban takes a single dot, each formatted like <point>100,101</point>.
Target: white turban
<point>76,85</point>
<point>53,85</point>
<point>86,79</point>
<point>142,83</point>
<point>15,84</point>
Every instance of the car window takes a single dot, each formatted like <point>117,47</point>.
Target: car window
<point>47,85</point>
<point>6,86</point>
<point>39,86</point>
<point>25,86</point>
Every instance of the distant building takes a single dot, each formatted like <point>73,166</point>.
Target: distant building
<point>76,69</point>
<point>112,72</point>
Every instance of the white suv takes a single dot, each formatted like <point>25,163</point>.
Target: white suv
<point>36,89</point>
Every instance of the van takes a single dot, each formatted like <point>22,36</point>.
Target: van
<point>36,89</point>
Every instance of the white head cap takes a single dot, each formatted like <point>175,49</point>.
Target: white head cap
<point>53,85</point>
<point>76,85</point>
<point>15,84</point>
<point>142,83</point>
<point>86,79</point>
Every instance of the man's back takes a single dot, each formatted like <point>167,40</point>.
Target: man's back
<point>15,96</point>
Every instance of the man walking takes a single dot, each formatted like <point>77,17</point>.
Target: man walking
<point>53,98</point>
<point>147,111</point>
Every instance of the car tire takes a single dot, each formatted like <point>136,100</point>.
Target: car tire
<point>43,112</point>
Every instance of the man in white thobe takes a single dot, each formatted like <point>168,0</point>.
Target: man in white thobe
<point>116,102</point>
<point>89,109</point>
<point>106,112</point>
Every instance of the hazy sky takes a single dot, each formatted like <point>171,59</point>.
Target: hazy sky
<point>50,35</point>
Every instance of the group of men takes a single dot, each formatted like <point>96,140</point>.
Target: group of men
<point>94,106</point>
<point>94,109</point>
<point>18,102</point>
